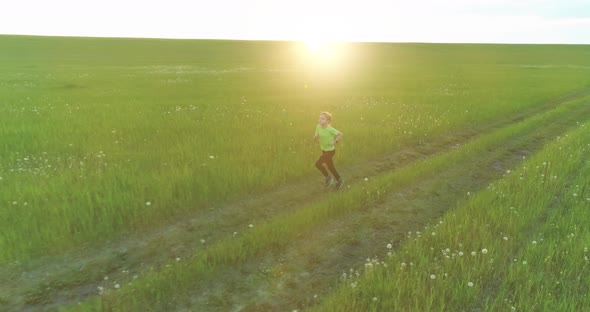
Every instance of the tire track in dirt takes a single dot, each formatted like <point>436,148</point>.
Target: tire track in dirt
<point>69,278</point>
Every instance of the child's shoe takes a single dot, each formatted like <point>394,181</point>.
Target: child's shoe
<point>329,181</point>
<point>339,183</point>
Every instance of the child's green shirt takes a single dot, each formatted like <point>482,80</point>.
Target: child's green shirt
<point>326,136</point>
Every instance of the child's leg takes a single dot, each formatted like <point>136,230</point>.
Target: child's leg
<point>330,164</point>
<point>319,164</point>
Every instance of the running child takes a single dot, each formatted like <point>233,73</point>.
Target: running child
<point>328,137</point>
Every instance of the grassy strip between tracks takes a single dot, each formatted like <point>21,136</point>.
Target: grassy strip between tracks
<point>161,289</point>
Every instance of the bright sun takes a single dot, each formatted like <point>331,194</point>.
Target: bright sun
<point>323,51</point>
<point>315,46</point>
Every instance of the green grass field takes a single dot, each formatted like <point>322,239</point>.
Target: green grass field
<point>196,157</point>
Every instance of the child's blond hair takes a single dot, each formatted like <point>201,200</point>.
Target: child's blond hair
<point>328,116</point>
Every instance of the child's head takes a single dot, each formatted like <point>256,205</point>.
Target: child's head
<point>325,118</point>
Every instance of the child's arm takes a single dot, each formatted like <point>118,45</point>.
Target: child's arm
<point>337,138</point>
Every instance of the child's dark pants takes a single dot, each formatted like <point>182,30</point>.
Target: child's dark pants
<point>327,158</point>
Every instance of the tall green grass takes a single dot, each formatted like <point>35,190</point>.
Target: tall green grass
<point>170,287</point>
<point>519,245</point>
<point>104,136</point>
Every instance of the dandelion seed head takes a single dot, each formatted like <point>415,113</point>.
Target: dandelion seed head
<point>505,238</point>
<point>148,203</point>
<point>389,246</point>
<point>460,253</point>
<point>117,286</point>
<point>484,251</point>
<point>375,299</point>
<point>432,276</point>
<point>524,262</point>
<point>366,179</point>
<point>534,242</point>
<point>177,259</point>
<point>473,253</point>
<point>211,157</point>
<point>470,284</point>
<point>250,225</point>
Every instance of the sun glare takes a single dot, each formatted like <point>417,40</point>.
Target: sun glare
<point>315,46</point>
<point>323,51</point>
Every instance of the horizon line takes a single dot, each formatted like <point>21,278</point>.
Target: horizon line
<point>282,40</point>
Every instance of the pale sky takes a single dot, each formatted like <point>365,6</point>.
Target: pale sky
<point>487,21</point>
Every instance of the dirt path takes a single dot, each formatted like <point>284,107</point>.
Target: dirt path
<point>72,277</point>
